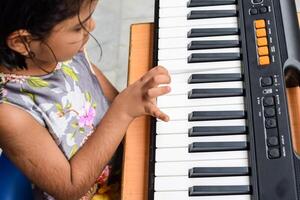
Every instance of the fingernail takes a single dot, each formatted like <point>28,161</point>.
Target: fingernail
<point>167,119</point>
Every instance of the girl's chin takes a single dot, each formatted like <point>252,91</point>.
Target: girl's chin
<point>81,49</point>
<point>83,46</point>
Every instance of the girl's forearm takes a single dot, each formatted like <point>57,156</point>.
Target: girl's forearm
<point>137,99</point>
<point>89,161</point>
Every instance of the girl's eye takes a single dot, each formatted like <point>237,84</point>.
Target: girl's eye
<point>78,29</point>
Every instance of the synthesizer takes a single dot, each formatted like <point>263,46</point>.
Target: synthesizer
<point>229,134</point>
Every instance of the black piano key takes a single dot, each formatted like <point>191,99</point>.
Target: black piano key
<point>199,3</point>
<point>219,190</point>
<point>213,57</point>
<point>197,147</point>
<point>214,93</point>
<point>207,32</point>
<point>216,130</point>
<point>205,14</point>
<point>216,115</point>
<point>198,172</point>
<point>195,45</point>
<point>209,78</point>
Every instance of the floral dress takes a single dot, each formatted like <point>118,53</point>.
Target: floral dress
<point>70,103</point>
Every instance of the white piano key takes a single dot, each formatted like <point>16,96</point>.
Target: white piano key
<point>183,11</point>
<point>172,3</point>
<point>182,66</point>
<point>184,195</point>
<point>178,183</point>
<point>182,154</point>
<point>182,168</point>
<point>183,140</point>
<point>181,113</point>
<point>184,88</point>
<point>183,22</point>
<point>177,78</point>
<point>175,101</point>
<point>183,53</point>
<point>182,127</point>
<point>169,43</point>
<point>179,31</point>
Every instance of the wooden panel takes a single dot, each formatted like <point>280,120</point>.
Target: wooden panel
<point>136,149</point>
<point>293,96</point>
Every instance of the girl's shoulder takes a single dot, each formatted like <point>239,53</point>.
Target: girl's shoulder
<point>83,58</point>
<point>16,119</point>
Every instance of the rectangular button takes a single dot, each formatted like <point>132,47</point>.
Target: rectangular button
<point>264,60</point>
<point>274,153</point>
<point>262,32</point>
<point>268,101</point>
<point>270,123</point>
<point>262,41</point>
<point>266,81</point>
<point>273,141</point>
<point>260,24</point>
<point>263,51</point>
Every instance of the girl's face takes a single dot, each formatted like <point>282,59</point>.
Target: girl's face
<point>67,38</point>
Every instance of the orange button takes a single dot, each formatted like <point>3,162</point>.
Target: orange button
<point>260,24</point>
<point>261,32</point>
<point>262,41</point>
<point>264,60</point>
<point>263,51</point>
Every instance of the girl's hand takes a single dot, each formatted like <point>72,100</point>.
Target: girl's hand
<point>139,98</point>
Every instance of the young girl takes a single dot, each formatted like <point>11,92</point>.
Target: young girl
<point>61,119</point>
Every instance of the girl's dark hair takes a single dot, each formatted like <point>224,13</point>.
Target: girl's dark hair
<point>38,17</point>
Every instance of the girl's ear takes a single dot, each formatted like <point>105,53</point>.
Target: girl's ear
<point>19,42</point>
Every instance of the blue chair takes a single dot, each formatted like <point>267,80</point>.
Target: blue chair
<point>13,184</point>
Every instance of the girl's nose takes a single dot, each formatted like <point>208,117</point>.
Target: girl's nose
<point>91,25</point>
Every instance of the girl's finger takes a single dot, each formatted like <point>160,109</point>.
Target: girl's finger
<point>157,80</point>
<point>155,92</point>
<point>153,72</point>
<point>155,112</point>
